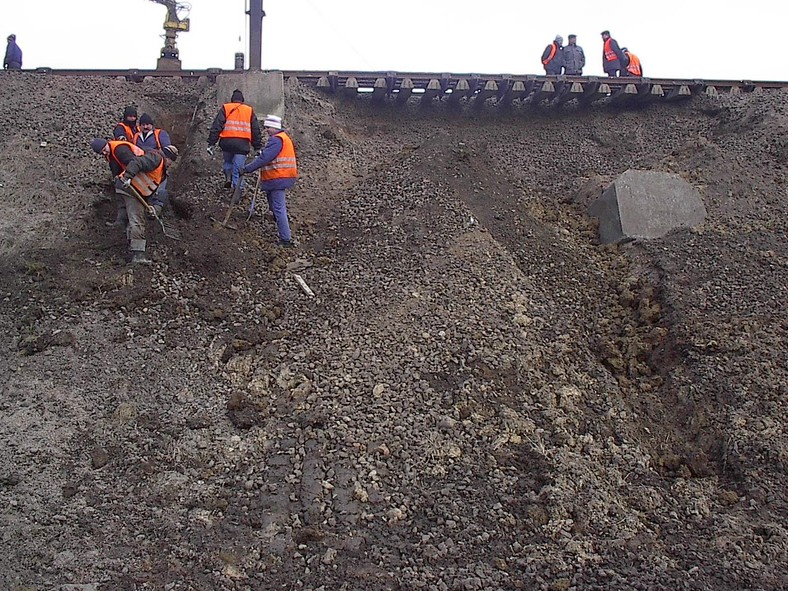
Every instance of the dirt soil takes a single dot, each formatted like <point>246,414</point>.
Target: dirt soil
<point>480,396</point>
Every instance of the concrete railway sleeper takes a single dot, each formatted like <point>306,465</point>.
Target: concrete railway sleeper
<point>500,89</point>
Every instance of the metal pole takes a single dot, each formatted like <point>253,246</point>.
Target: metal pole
<point>256,15</point>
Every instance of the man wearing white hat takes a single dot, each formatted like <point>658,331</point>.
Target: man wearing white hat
<point>278,172</point>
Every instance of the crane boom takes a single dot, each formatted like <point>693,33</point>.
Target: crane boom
<point>174,23</point>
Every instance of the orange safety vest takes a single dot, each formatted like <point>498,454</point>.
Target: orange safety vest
<point>634,65</point>
<point>284,165</point>
<point>553,51</point>
<point>238,121</point>
<point>610,55</point>
<point>128,131</point>
<point>156,134</point>
<point>115,144</point>
<point>146,183</point>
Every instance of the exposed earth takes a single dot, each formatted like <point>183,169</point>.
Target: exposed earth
<point>480,396</point>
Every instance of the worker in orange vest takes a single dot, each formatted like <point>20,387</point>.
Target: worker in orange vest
<point>126,129</point>
<point>278,171</point>
<point>613,59</point>
<point>144,171</point>
<point>553,56</point>
<point>634,68</point>
<point>237,130</point>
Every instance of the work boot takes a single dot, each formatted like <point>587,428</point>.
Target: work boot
<point>116,224</point>
<point>140,258</point>
<point>287,243</point>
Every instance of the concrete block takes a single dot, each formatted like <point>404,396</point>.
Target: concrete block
<point>646,204</point>
<point>264,91</point>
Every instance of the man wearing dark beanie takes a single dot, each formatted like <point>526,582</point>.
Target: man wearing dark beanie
<point>150,138</point>
<point>126,129</point>
<point>237,130</point>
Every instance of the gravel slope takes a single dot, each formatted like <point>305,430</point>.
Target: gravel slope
<point>478,397</point>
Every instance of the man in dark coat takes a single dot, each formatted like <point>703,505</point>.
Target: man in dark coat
<point>553,56</point>
<point>613,59</point>
<point>237,130</point>
<point>574,58</point>
<point>13,55</point>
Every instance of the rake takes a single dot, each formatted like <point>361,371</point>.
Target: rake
<point>169,230</point>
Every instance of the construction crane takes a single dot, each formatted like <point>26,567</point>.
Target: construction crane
<point>175,22</point>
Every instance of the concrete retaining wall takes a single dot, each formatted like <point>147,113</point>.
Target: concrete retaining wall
<point>264,91</point>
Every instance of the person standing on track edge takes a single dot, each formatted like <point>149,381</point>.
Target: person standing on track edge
<point>613,59</point>
<point>553,57</point>
<point>237,130</point>
<point>574,58</point>
<point>13,55</point>
<point>279,171</point>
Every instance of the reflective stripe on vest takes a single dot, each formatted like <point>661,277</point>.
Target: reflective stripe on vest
<point>115,144</point>
<point>284,165</point>
<point>610,55</point>
<point>553,51</point>
<point>146,183</point>
<point>634,65</point>
<point>238,121</point>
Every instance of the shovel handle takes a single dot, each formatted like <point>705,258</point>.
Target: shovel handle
<point>148,207</point>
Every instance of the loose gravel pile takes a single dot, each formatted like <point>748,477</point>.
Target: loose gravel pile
<point>478,397</point>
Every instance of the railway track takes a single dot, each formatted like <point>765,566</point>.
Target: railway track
<point>473,88</point>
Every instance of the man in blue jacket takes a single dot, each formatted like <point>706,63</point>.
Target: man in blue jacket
<point>279,172</point>
<point>13,55</point>
<point>150,138</point>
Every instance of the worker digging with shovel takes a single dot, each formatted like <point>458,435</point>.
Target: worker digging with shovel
<point>138,175</point>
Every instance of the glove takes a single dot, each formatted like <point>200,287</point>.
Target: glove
<point>121,182</point>
<point>210,149</point>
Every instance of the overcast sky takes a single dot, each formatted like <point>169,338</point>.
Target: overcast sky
<point>673,38</point>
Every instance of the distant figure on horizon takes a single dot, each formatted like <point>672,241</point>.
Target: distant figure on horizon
<point>553,56</point>
<point>634,68</point>
<point>613,59</point>
<point>574,58</point>
<point>237,130</point>
<point>126,129</point>
<point>151,138</point>
<point>13,55</point>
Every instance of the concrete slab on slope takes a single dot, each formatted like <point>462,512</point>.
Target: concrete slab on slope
<point>646,204</point>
